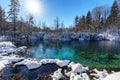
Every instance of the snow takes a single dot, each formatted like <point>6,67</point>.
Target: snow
<point>114,76</point>
<point>57,75</point>
<point>7,47</point>
<point>100,74</point>
<point>62,63</point>
<point>2,66</point>
<point>77,68</point>
<point>77,72</point>
<point>65,36</point>
<point>80,36</point>
<point>83,76</point>
<point>5,60</point>
<point>33,64</point>
<point>3,38</point>
<point>29,64</point>
<point>7,44</point>
<point>47,61</point>
<point>21,48</point>
<point>7,50</point>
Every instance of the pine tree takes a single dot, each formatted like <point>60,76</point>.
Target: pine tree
<point>76,21</point>
<point>89,18</point>
<point>2,19</point>
<point>115,9</point>
<point>13,12</point>
<point>112,19</point>
<point>2,14</point>
<point>82,23</point>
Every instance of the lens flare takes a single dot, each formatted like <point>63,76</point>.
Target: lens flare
<point>33,7</point>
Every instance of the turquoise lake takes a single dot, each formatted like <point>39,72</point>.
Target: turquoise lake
<point>103,54</point>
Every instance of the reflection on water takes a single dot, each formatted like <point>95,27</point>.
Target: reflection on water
<point>92,54</point>
<point>22,73</point>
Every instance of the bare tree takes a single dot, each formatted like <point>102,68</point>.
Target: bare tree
<point>57,23</point>
<point>97,15</point>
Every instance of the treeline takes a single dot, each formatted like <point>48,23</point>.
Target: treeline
<point>100,19</point>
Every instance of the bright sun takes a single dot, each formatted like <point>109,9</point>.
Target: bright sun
<point>33,7</point>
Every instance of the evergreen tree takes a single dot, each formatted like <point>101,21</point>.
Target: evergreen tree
<point>112,19</point>
<point>76,21</point>
<point>2,19</point>
<point>2,14</point>
<point>114,9</point>
<point>82,23</point>
<point>89,18</point>
<point>13,12</point>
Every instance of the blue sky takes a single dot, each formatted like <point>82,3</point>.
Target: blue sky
<point>66,10</point>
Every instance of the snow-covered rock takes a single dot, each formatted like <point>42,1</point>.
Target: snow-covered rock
<point>7,50</point>
<point>7,44</point>
<point>114,76</point>
<point>21,48</point>
<point>33,64</point>
<point>77,68</point>
<point>12,58</point>
<point>76,72</point>
<point>62,63</point>
<point>80,36</point>
<point>57,75</point>
<point>100,74</point>
<point>7,47</point>
<point>5,60</point>
<point>46,61</point>
<point>58,62</point>
<point>65,36</point>
<point>36,36</point>
<point>82,76</point>
<point>2,66</point>
<point>29,64</point>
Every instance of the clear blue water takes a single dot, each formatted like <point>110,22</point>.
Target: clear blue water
<point>89,53</point>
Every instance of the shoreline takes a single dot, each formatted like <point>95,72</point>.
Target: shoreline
<point>73,71</point>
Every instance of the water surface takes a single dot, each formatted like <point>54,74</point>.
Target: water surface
<point>89,53</point>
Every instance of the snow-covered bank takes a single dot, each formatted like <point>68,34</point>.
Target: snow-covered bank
<point>5,60</point>
<point>74,71</point>
<point>77,71</point>
<point>68,36</point>
<point>6,54</point>
<point>9,47</point>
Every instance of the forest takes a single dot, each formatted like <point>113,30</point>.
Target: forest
<point>100,19</point>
